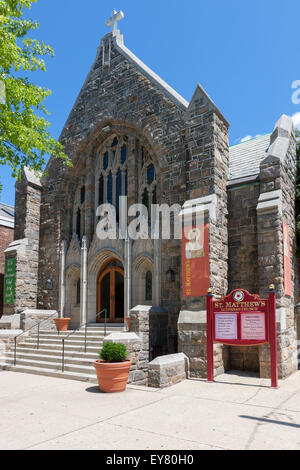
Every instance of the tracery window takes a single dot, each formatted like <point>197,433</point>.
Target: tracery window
<point>148,187</point>
<point>112,172</point>
<point>79,210</point>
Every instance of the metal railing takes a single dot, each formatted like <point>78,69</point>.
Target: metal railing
<point>29,329</point>
<point>85,326</point>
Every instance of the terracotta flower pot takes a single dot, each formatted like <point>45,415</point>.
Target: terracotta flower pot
<point>112,376</point>
<point>62,324</point>
<point>128,322</point>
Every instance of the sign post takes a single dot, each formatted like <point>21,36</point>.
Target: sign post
<point>209,339</point>
<point>242,319</point>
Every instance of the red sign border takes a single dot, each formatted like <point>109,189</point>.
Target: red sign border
<point>247,301</point>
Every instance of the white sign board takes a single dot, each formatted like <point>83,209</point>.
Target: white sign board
<point>226,326</point>
<point>253,326</point>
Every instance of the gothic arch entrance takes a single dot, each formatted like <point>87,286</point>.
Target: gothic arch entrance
<point>110,292</point>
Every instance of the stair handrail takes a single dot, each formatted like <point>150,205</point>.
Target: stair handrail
<point>84,325</point>
<point>29,329</point>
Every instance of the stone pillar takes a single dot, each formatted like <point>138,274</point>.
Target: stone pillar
<point>62,278</point>
<point>84,281</point>
<point>25,248</point>
<point>275,205</point>
<point>151,324</point>
<point>207,164</point>
<point>127,278</point>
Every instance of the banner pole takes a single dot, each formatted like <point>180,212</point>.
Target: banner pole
<point>273,337</point>
<point>209,339</point>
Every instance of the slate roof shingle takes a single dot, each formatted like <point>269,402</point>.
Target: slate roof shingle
<point>7,215</point>
<point>245,158</point>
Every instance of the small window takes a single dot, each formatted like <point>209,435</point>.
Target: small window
<point>78,292</point>
<point>146,198</point>
<point>123,154</point>
<point>115,142</point>
<point>101,191</point>
<point>82,195</point>
<point>148,286</point>
<point>78,223</point>
<point>154,196</point>
<point>110,189</point>
<point>105,161</point>
<point>150,174</point>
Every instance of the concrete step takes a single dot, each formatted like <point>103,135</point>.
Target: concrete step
<point>58,343</point>
<point>80,360</point>
<point>91,378</point>
<point>79,337</point>
<point>58,347</point>
<point>55,366</point>
<point>56,352</point>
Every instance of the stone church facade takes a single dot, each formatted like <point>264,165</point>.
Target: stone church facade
<point>130,134</point>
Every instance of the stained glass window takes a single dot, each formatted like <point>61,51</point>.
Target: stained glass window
<point>150,174</point>
<point>105,161</point>
<point>154,196</point>
<point>119,191</point>
<point>146,198</point>
<point>123,154</point>
<point>109,189</point>
<point>101,191</point>
<point>115,142</point>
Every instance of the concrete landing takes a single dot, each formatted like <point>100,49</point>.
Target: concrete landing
<point>236,412</point>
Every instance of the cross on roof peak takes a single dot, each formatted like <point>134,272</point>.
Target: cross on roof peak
<point>114,19</point>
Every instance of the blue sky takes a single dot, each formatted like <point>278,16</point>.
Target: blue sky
<point>244,53</point>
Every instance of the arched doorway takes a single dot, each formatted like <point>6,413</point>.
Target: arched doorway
<point>110,292</point>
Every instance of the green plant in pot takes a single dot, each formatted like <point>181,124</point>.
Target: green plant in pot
<point>113,368</point>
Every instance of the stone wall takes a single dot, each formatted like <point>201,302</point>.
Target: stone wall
<point>137,353</point>
<point>25,247</point>
<point>277,203</point>
<point>242,262</point>
<point>151,324</point>
<point>207,154</point>
<point>168,370</point>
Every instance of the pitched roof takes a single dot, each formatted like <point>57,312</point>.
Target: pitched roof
<point>245,158</point>
<point>7,215</point>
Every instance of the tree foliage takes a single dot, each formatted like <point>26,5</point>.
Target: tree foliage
<point>24,136</point>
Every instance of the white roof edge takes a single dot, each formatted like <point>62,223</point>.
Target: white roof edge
<point>118,39</point>
<point>6,223</point>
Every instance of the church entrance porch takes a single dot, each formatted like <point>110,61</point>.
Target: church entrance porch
<point>110,292</point>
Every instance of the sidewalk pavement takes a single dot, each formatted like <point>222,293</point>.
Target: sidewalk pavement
<point>235,412</point>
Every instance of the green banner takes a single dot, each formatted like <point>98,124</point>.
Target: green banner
<point>9,281</point>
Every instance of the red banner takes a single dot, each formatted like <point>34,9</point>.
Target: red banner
<point>195,261</point>
<point>287,260</point>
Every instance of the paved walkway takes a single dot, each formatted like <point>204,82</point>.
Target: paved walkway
<point>235,413</point>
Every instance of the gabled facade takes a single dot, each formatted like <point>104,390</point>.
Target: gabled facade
<point>130,134</point>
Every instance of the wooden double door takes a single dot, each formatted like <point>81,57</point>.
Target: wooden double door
<point>110,294</point>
